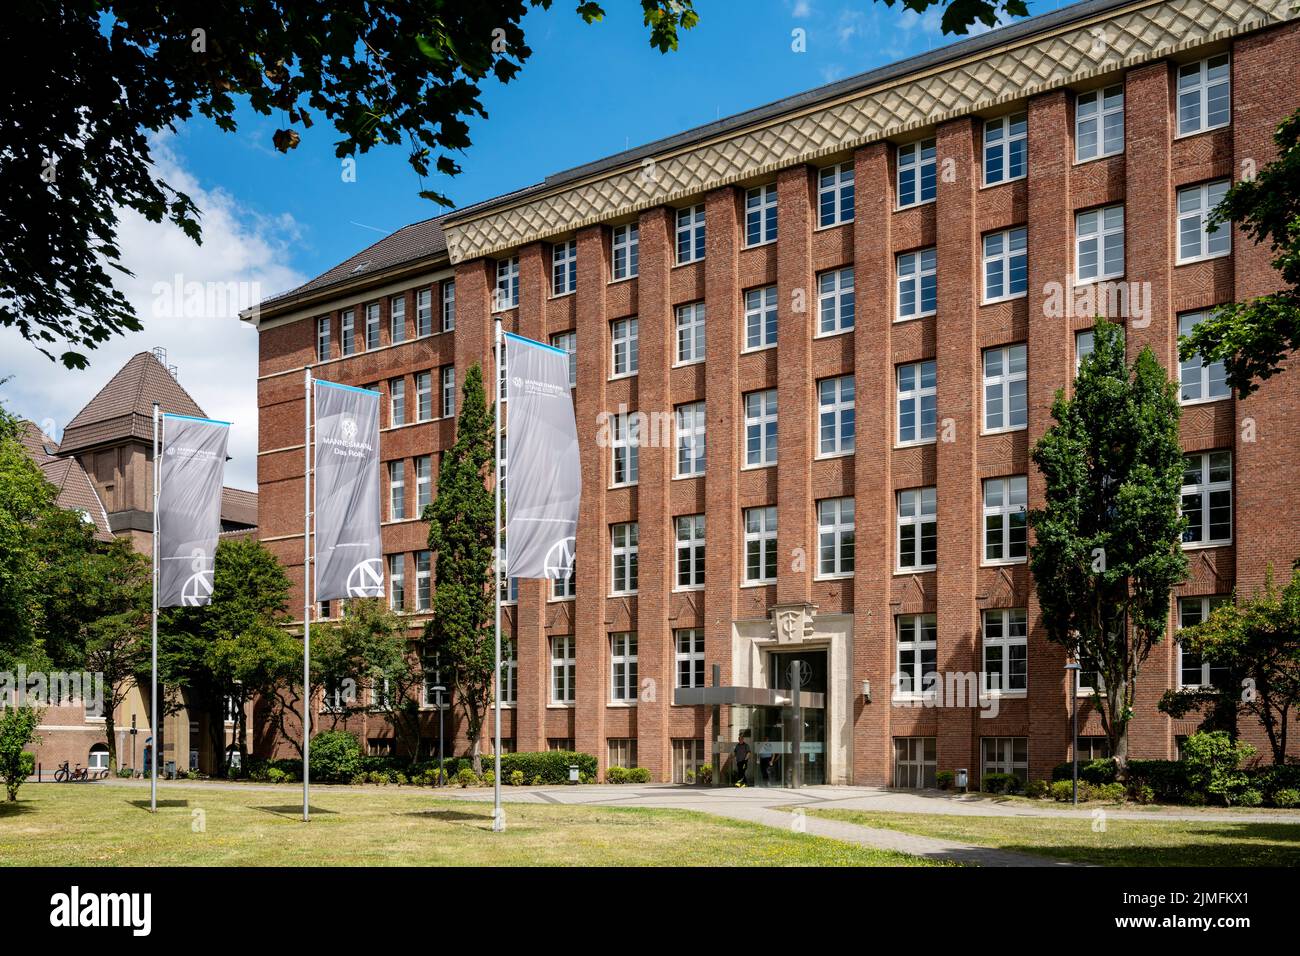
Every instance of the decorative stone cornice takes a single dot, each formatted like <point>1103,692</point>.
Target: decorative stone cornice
<point>1035,63</point>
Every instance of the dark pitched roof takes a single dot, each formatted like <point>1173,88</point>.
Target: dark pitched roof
<point>74,490</point>
<point>124,407</point>
<point>40,447</point>
<point>238,507</point>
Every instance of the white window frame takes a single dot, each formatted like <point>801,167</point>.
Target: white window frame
<point>423,482</point>
<point>625,252</point>
<point>691,456</point>
<point>836,418</point>
<point>423,313</point>
<point>916,274</point>
<point>836,530</point>
<point>1198,90</point>
<point>323,339</point>
<point>505,294</point>
<point>372,326</point>
<point>1012,245</point>
<point>1004,499</point>
<point>917,635</point>
<point>449,305</point>
<point>1097,233</point>
<point>919,162</point>
<point>760,214</point>
<point>688,657</point>
<point>423,580</point>
<point>396,319</point>
<point>1204,605</point>
<point>1094,115</point>
<point>625,342</point>
<point>1208,378</point>
<point>689,538</point>
<point>1007,630</point>
<point>565,588</point>
<point>1010,135</point>
<point>623,684</point>
<point>348,333</point>
<point>835,184</point>
<point>397,490</point>
<point>760,411</point>
<point>1207,487</point>
<point>917,519</point>
<point>397,581</point>
<point>1009,385</point>
<point>624,545</point>
<point>423,396</point>
<point>1003,758</point>
<point>567,342</point>
<point>760,318</point>
<point>624,449</point>
<point>689,235</point>
<point>915,395</point>
<point>760,541</point>
<point>564,268</point>
<point>1205,196</point>
<point>564,670</point>
<point>447,387</point>
<point>836,301</point>
<point>396,402</point>
<point>689,324</point>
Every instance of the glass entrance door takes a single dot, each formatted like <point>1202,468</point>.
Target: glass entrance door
<point>804,670</point>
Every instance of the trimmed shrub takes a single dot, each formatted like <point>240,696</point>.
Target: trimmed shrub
<point>276,775</point>
<point>1000,783</point>
<point>358,779</point>
<point>1063,791</point>
<point>705,775</point>
<point>1167,779</point>
<point>1212,760</point>
<point>1250,797</point>
<point>616,774</point>
<point>1095,772</point>
<point>465,777</point>
<point>1142,793</point>
<point>1286,798</point>
<point>551,765</point>
<point>1037,789</point>
<point>335,756</point>
<point>945,779</point>
<point>516,778</point>
<point>1110,792</point>
<point>638,775</point>
<point>489,778</point>
<point>537,780</point>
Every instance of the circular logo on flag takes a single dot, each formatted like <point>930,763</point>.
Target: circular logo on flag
<point>196,590</point>
<point>348,428</point>
<point>559,558</point>
<point>366,579</point>
<point>518,380</point>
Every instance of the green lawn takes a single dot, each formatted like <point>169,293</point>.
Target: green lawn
<point>1122,843</point>
<point>94,825</point>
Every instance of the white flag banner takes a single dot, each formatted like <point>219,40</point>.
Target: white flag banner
<point>191,474</point>
<point>544,484</point>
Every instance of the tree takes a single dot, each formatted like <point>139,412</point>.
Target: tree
<point>1107,543</point>
<point>960,15</point>
<point>100,77</point>
<point>394,672</point>
<point>25,499</point>
<point>462,536</point>
<point>1258,643</point>
<point>1253,338</point>
<point>17,731</point>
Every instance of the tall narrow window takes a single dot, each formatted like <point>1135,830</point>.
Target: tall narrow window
<point>835,537</point>
<point>835,416</point>
<point>1207,497</point>
<point>397,319</point>
<point>760,545</point>
<point>1099,244</point>
<point>1006,264</point>
<point>396,490</point>
<point>626,346</point>
<point>423,592</point>
<point>449,305</point>
<point>1199,380</point>
<point>690,440</point>
<point>625,247</point>
<point>835,301</point>
<point>917,402</point>
<point>622,667</point>
<point>690,551</point>
<point>760,428</point>
<point>917,655</point>
<point>624,539</point>
<point>448,374</point>
<point>1005,381</point>
<point>1099,123</point>
<point>689,656</point>
<point>1193,670</point>
<point>1204,95</point>
<point>1006,651</point>
<point>564,667</point>
<point>396,402</point>
<point>423,482</point>
<point>1006,148</point>
<point>506,295</point>
<point>423,396</point>
<point>916,173</point>
<point>690,333</point>
<point>918,534</point>
<point>625,449</point>
<point>918,284</point>
<point>690,234</point>
<point>835,195</point>
<point>760,215</point>
<point>1005,519</point>
<point>347,335</point>
<point>1197,239</point>
<point>423,313</point>
<point>567,342</point>
<point>397,581</point>
<point>564,267</point>
<point>372,326</point>
<point>760,318</point>
<point>323,339</point>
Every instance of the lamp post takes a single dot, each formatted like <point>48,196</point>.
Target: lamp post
<point>1072,670</point>
<point>439,689</point>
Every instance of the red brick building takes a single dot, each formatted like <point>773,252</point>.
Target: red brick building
<point>855,301</point>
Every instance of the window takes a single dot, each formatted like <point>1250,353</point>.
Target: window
<point>335,698</point>
<point>1099,123</point>
<point>1084,343</point>
<point>423,396</point>
<point>1005,405</point>
<point>915,762</point>
<point>690,234</point>
<point>564,665</point>
<point>349,332</point>
<point>509,674</point>
<point>1006,148</point>
<point>1192,670</point>
<point>760,428</point>
<point>372,326</point>
<point>835,537</point>
<point>688,758</point>
<point>1199,381</point>
<point>760,318</point>
<point>1099,244</point>
<point>1005,519</point>
<point>760,215</point>
<point>690,440</point>
<point>1093,748</point>
<point>835,415</point>
<point>760,545</point>
<point>622,752</point>
<point>690,552</point>
<point>1204,95</point>
<point>1006,265</point>
<point>918,534</point>
<point>423,482</point>
<point>917,398</point>
<point>626,358</point>
<point>626,251</point>
<point>567,342</point>
<point>624,548</point>
<point>625,449</point>
<point>323,339</point>
<point>1207,497</point>
<point>835,195</point>
<point>1005,755</point>
<point>1088,678</point>
<point>397,581</point>
<point>1197,239</point>
<point>622,667</point>
<point>397,319</point>
<point>562,589</point>
<point>423,597</point>
<point>504,360</point>
<point>449,305</point>
<point>507,288</point>
<point>835,301</point>
<point>396,490</point>
<point>564,267</point>
<point>917,650</point>
<point>560,743</point>
<point>916,173</point>
<point>448,375</point>
<point>690,333</point>
<point>396,402</point>
<point>918,284</point>
<point>423,313</point>
<point>1006,651</point>
<point>689,656</point>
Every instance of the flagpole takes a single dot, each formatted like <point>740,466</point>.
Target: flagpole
<point>306,596</point>
<point>498,818</point>
<point>154,722</point>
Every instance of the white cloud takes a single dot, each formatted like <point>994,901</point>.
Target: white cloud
<point>215,354</point>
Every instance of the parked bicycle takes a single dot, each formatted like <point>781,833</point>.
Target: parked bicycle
<point>64,775</point>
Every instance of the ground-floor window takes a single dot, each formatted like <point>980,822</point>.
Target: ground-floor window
<point>622,752</point>
<point>914,762</point>
<point>1005,755</point>
<point>688,757</point>
<point>98,759</point>
<point>1093,748</point>
<point>380,746</point>
<point>559,743</point>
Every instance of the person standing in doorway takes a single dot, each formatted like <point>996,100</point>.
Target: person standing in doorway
<point>741,753</point>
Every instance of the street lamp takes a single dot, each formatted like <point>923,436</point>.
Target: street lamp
<point>439,689</point>
<point>1072,669</point>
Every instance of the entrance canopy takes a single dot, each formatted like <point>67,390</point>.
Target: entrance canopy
<point>745,697</point>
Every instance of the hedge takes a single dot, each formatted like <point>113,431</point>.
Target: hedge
<point>551,766</point>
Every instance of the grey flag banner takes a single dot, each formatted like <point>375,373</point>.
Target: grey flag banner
<point>191,473</point>
<point>544,484</point>
<point>349,556</point>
